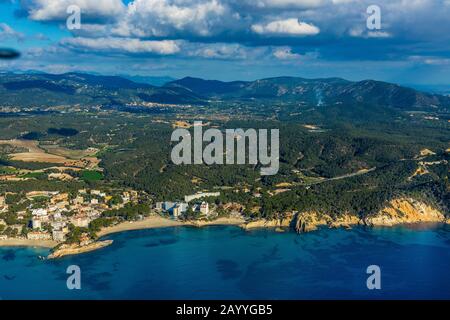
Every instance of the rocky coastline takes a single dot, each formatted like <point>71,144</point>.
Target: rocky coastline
<point>396,212</point>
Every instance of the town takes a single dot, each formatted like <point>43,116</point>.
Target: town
<point>72,217</point>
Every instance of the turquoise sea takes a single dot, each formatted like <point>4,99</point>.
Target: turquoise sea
<point>229,263</point>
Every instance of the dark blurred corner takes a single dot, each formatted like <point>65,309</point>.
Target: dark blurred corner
<point>9,53</point>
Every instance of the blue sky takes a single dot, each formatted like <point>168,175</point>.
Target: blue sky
<point>233,39</point>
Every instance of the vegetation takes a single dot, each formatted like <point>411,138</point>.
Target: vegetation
<point>88,175</point>
<point>318,164</point>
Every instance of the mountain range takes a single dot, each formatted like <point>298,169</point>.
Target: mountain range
<point>25,90</point>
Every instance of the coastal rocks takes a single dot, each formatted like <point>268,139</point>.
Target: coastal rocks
<point>67,250</point>
<point>405,210</point>
<point>311,220</point>
<point>225,221</point>
<point>273,223</point>
<point>346,221</point>
<point>305,222</point>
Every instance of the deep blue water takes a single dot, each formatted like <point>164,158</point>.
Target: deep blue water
<point>228,263</point>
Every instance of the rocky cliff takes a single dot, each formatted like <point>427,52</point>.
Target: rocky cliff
<point>397,211</point>
<point>311,220</point>
<point>405,210</point>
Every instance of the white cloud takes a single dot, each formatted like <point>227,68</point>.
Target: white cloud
<point>360,32</point>
<point>122,45</point>
<point>147,18</point>
<point>6,32</point>
<point>288,27</point>
<point>287,3</point>
<point>50,10</point>
<point>224,51</point>
<point>430,60</point>
<point>285,53</point>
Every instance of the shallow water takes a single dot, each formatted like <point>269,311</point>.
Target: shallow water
<point>229,263</point>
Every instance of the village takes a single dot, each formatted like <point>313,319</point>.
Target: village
<point>47,215</point>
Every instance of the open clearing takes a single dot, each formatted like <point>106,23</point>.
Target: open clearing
<point>53,154</point>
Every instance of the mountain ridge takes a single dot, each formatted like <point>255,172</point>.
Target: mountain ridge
<point>82,88</point>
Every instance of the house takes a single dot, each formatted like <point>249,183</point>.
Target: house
<point>134,194</point>
<point>39,212</point>
<point>36,223</point>
<point>80,221</point>
<point>58,225</point>
<point>204,208</point>
<point>159,206</point>
<point>78,200</point>
<point>94,201</point>
<point>57,215</point>
<point>126,197</point>
<point>59,235</point>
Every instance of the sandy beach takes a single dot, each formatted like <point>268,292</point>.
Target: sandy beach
<point>149,223</point>
<point>28,243</point>
<point>160,222</point>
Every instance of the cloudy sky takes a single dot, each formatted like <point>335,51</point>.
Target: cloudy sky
<point>233,39</point>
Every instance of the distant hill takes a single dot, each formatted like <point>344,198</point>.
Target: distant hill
<point>316,92</point>
<point>154,81</point>
<point>39,89</point>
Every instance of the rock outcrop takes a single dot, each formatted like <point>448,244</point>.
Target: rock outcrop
<point>404,210</point>
<point>67,250</point>
<point>285,222</point>
<point>311,220</point>
<point>397,211</point>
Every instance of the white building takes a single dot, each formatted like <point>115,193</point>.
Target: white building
<point>36,223</point>
<point>159,206</point>
<point>81,222</point>
<point>201,195</point>
<point>204,208</point>
<point>59,236</point>
<point>58,225</point>
<point>57,215</point>
<point>179,209</point>
<point>39,212</point>
<point>78,200</point>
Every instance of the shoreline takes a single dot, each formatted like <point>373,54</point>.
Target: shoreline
<point>49,244</point>
<point>151,222</point>
<point>156,221</point>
